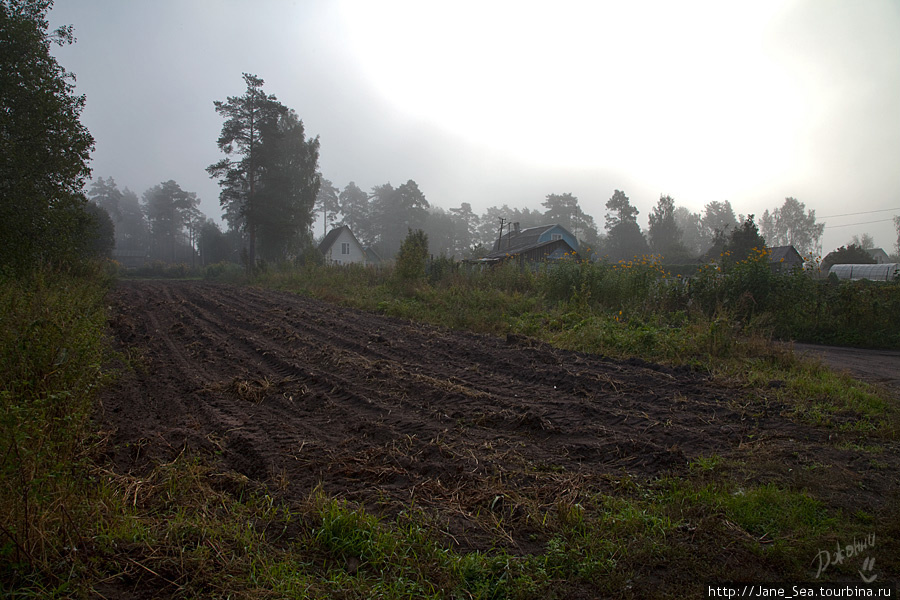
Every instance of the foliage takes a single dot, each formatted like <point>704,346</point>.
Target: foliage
<point>169,210</point>
<point>619,210</point>
<point>663,232</point>
<point>328,203</point>
<point>412,256</point>
<point>718,219</point>
<point>851,254</point>
<point>394,210</point>
<point>691,238</point>
<point>744,243</point>
<point>287,188</point>
<point>44,147</point>
<point>354,204</point>
<point>271,188</point>
<point>52,355</point>
<point>792,225</point>
<point>563,209</point>
<point>100,231</point>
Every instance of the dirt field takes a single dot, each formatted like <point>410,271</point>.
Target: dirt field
<point>299,393</point>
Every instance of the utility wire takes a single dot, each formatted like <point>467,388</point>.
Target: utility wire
<point>868,212</point>
<point>853,224</point>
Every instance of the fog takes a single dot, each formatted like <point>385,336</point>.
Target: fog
<point>506,102</point>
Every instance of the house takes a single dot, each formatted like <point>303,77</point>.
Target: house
<point>372,257</point>
<point>785,258</point>
<point>340,247</point>
<point>535,244</point>
<point>131,259</point>
<point>879,255</point>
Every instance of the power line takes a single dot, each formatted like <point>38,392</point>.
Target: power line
<point>854,224</point>
<point>868,212</point>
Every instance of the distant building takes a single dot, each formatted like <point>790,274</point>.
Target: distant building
<point>533,245</point>
<point>879,255</point>
<point>340,247</point>
<point>131,259</point>
<point>877,272</point>
<point>372,257</point>
<point>785,258</point>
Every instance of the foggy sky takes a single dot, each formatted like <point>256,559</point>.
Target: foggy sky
<point>506,102</point>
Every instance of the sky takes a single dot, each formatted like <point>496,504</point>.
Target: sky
<point>505,102</point>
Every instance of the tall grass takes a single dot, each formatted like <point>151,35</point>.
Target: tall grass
<point>52,353</point>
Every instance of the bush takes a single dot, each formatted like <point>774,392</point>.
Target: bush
<point>52,350</point>
<point>412,256</point>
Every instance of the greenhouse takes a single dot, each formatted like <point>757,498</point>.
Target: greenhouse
<point>882,272</point>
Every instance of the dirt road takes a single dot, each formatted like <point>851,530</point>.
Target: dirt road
<point>283,388</point>
<point>875,366</point>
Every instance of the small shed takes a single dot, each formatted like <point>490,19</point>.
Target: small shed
<point>785,258</point>
<point>131,259</point>
<point>340,247</point>
<point>882,272</point>
<point>879,255</point>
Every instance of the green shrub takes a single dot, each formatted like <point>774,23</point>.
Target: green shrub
<point>52,352</point>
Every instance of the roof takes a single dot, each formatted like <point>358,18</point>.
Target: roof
<point>332,236</point>
<point>521,249</point>
<point>878,254</point>
<point>517,242</point>
<point>785,253</point>
<point>371,254</point>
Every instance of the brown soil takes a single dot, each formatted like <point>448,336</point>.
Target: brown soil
<point>875,366</point>
<point>297,393</point>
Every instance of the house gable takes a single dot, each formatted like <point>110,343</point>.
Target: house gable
<point>340,247</point>
<point>516,242</point>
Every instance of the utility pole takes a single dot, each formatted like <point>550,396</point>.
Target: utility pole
<point>500,239</point>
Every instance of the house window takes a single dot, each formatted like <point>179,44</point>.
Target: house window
<point>555,236</point>
<point>345,248</point>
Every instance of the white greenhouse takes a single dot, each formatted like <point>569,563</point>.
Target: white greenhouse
<point>882,272</point>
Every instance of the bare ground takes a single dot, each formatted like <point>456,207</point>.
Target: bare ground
<point>296,393</point>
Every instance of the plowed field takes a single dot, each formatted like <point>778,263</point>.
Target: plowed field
<point>287,389</point>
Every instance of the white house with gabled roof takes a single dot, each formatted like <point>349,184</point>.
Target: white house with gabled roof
<point>340,247</point>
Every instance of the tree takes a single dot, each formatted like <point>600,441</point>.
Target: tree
<point>168,209</point>
<point>445,232</point>
<point>624,240</point>
<point>792,225</point>
<point>664,234</point>
<point>488,230</point>
<point>691,238</point>
<point>619,210</point>
<point>717,217</point>
<point>468,221</point>
<point>102,231</point>
<point>851,254</point>
<point>328,203</point>
<point>354,205</point>
<point>269,140</point>
<point>897,225</point>
<point>106,195</point>
<point>743,241</point>
<point>132,230</point>
<point>865,241</point>
<point>396,210</point>
<point>44,148</point>
<point>412,256</point>
<point>287,188</point>
<point>213,244</point>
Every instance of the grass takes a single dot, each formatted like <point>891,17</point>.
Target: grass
<point>73,528</point>
<point>621,311</point>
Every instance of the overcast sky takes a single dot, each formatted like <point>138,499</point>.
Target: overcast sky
<point>506,102</point>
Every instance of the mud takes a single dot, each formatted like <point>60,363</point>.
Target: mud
<point>297,393</point>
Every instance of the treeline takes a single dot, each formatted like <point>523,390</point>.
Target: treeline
<point>382,217</point>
